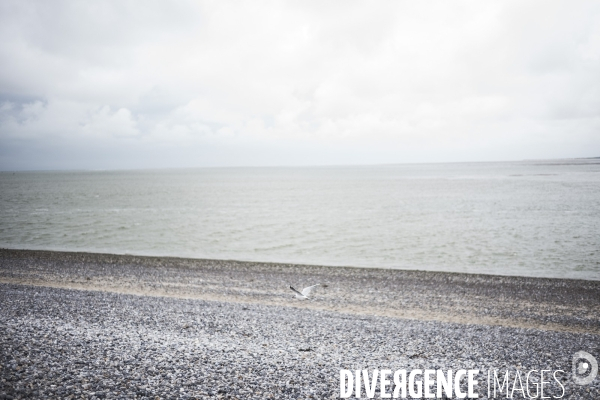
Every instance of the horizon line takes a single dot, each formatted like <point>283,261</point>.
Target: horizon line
<point>286,166</point>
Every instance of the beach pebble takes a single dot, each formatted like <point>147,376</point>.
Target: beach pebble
<point>57,343</point>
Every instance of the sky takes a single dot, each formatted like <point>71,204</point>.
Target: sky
<point>178,84</point>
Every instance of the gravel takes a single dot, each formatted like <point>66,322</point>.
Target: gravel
<point>550,304</point>
<point>57,342</point>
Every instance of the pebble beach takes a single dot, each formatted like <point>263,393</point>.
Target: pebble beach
<point>82,325</point>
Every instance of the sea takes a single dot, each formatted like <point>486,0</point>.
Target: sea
<point>529,218</point>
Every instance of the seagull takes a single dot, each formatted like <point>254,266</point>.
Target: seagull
<point>305,292</point>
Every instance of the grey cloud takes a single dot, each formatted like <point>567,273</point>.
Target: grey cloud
<point>138,84</point>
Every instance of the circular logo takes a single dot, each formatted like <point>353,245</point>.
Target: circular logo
<point>585,368</point>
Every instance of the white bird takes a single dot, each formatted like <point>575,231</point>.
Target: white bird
<point>305,292</point>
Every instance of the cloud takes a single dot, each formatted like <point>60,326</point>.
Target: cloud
<point>267,83</point>
<point>118,123</point>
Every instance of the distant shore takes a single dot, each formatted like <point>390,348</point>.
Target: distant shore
<point>101,326</point>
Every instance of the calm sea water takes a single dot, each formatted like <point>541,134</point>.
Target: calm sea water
<point>537,218</point>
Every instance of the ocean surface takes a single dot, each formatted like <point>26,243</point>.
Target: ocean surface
<point>529,218</point>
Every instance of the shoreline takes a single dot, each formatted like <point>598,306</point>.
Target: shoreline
<point>185,258</point>
<point>564,305</point>
<point>97,326</point>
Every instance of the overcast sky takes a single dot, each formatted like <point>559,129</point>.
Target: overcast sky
<point>139,84</point>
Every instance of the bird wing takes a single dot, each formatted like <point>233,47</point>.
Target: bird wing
<point>308,290</point>
<point>297,291</point>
